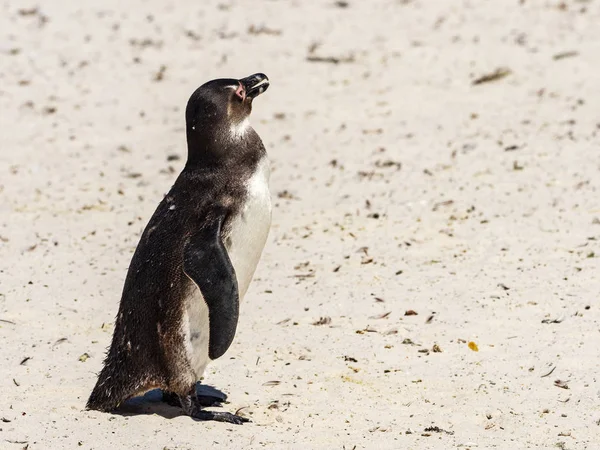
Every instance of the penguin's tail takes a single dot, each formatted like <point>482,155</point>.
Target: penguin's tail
<point>112,388</point>
<point>104,396</point>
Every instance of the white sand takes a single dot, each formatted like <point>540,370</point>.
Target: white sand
<point>85,136</point>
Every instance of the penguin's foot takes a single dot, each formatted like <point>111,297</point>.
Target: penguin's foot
<point>209,400</point>
<point>219,416</point>
<point>172,399</point>
<point>209,396</point>
<point>192,407</point>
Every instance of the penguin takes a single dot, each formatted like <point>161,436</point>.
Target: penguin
<point>195,259</point>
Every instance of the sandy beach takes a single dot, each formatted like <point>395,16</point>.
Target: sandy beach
<point>431,277</point>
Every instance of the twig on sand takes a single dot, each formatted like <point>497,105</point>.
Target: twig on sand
<point>549,373</point>
<point>331,59</point>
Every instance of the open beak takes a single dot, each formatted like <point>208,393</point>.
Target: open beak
<point>255,84</point>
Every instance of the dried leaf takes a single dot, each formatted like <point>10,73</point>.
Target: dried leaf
<point>381,316</point>
<point>388,163</point>
<point>60,341</point>
<point>285,194</point>
<point>253,29</point>
<point>84,357</point>
<point>440,204</point>
<point>304,275</point>
<point>561,384</point>
<point>272,383</point>
<point>368,329</point>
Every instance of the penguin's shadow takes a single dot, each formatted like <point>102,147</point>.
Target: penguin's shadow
<point>152,403</point>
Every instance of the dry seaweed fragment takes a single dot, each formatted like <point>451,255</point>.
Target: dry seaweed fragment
<point>564,55</point>
<point>253,29</point>
<point>558,320</point>
<point>436,429</point>
<point>440,204</point>
<point>496,75</point>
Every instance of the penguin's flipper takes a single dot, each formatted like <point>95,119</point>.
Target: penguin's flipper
<point>207,264</point>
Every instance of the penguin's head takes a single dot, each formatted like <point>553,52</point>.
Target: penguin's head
<point>219,110</point>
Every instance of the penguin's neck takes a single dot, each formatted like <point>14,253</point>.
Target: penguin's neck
<point>235,145</point>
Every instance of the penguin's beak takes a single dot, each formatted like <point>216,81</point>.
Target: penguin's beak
<point>255,84</point>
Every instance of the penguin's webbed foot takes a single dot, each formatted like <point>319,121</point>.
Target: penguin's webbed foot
<point>172,399</point>
<point>209,400</point>
<point>219,416</point>
<point>209,396</point>
<point>192,407</point>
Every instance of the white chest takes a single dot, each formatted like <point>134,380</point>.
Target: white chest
<point>245,244</point>
<point>250,228</point>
